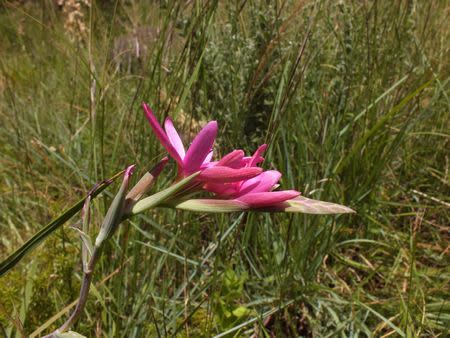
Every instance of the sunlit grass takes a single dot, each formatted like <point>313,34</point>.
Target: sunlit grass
<point>353,99</point>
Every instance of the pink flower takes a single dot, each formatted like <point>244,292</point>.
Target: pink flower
<point>254,192</point>
<point>199,153</point>
<point>236,180</point>
<point>198,156</point>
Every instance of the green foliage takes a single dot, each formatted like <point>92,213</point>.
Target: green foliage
<point>228,312</point>
<point>353,99</point>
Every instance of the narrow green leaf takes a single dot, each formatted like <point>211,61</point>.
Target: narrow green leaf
<point>162,196</point>
<point>380,123</point>
<point>46,231</point>
<point>384,319</point>
<point>86,246</point>
<point>86,242</point>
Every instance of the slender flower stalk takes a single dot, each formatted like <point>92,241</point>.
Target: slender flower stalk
<point>84,293</point>
<point>109,226</point>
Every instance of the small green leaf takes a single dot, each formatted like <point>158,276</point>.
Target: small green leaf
<point>162,196</point>
<point>240,312</point>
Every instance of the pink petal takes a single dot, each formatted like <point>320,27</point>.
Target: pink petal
<point>233,159</point>
<point>257,155</point>
<point>156,170</point>
<point>160,134</point>
<point>208,157</point>
<point>247,159</point>
<point>261,183</point>
<point>129,171</point>
<point>174,137</point>
<point>267,199</point>
<point>207,164</point>
<point>221,189</point>
<point>200,148</point>
<point>219,174</point>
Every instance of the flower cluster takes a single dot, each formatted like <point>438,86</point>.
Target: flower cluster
<point>235,177</point>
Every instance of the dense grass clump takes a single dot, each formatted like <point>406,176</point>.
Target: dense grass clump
<point>352,98</point>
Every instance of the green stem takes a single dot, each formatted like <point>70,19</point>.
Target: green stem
<point>84,293</point>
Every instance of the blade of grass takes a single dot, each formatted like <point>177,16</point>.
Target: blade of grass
<point>51,227</point>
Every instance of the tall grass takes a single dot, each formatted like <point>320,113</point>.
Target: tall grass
<point>352,98</point>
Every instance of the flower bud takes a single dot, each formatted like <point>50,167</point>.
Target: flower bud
<point>115,211</point>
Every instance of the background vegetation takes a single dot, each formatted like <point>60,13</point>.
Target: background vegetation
<point>353,98</point>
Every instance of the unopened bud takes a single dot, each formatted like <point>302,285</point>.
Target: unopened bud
<point>144,185</point>
<point>115,211</point>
